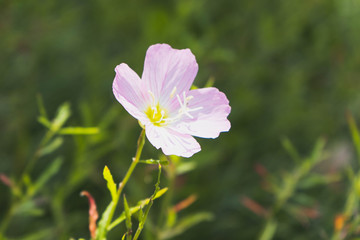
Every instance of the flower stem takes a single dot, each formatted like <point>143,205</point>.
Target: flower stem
<point>140,145</point>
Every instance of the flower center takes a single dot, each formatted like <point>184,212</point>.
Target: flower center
<point>157,115</point>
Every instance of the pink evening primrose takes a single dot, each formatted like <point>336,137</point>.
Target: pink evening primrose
<point>165,106</point>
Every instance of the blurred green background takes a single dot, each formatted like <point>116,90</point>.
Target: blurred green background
<point>289,68</point>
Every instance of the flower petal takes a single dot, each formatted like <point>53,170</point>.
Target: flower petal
<point>172,142</point>
<point>128,90</point>
<point>210,116</point>
<point>166,68</point>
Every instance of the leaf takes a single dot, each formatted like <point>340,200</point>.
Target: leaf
<point>153,161</point>
<point>136,208</point>
<point>61,117</point>
<point>47,233</point>
<point>52,146</point>
<point>79,130</point>
<point>185,167</point>
<point>316,179</point>
<point>41,106</point>
<point>354,132</point>
<point>186,223</point>
<point>44,121</point>
<point>269,230</point>
<point>102,223</point>
<point>93,214</point>
<point>110,182</point>
<point>289,147</point>
<point>127,216</point>
<point>28,208</point>
<point>45,176</point>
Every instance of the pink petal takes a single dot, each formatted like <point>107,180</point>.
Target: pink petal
<point>128,90</point>
<point>166,68</point>
<point>211,117</point>
<point>172,142</point>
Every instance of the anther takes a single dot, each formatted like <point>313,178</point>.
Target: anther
<point>173,92</point>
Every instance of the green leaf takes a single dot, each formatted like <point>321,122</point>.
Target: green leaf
<point>316,179</point>
<point>210,82</point>
<point>289,147</point>
<point>186,223</point>
<point>185,167</point>
<point>45,176</point>
<point>269,230</point>
<point>153,161</point>
<point>52,146</point>
<point>136,208</point>
<point>28,208</point>
<point>171,218</point>
<point>79,130</point>
<point>102,223</point>
<point>44,121</point>
<point>354,132</point>
<point>42,234</point>
<point>41,106</point>
<point>61,117</point>
<point>127,215</point>
<point>110,182</point>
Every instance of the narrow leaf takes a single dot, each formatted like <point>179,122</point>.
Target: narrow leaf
<point>44,121</point>
<point>61,117</point>
<point>102,223</point>
<point>136,208</point>
<point>79,130</point>
<point>45,176</point>
<point>153,161</point>
<point>41,106</point>
<point>289,147</point>
<point>110,182</point>
<point>269,231</point>
<point>52,146</point>
<point>186,223</point>
<point>93,214</point>
<point>354,132</point>
<point>128,217</point>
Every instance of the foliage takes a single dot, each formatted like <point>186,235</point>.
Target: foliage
<point>289,68</point>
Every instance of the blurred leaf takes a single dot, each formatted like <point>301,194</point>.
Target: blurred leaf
<point>210,82</point>
<point>153,161</point>
<point>289,147</point>
<point>185,167</point>
<point>110,182</point>
<point>269,230</point>
<point>171,218</point>
<point>41,106</point>
<point>47,233</point>
<point>52,146</point>
<point>44,121</point>
<point>28,207</point>
<point>314,179</point>
<point>186,223</point>
<point>354,132</point>
<point>62,116</point>
<point>79,130</point>
<point>45,176</point>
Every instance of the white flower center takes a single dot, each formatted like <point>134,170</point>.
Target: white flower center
<point>159,115</point>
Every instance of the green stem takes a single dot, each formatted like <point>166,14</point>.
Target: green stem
<point>145,214</point>
<point>165,204</point>
<point>140,145</point>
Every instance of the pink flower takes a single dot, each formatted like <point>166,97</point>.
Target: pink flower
<point>164,104</point>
